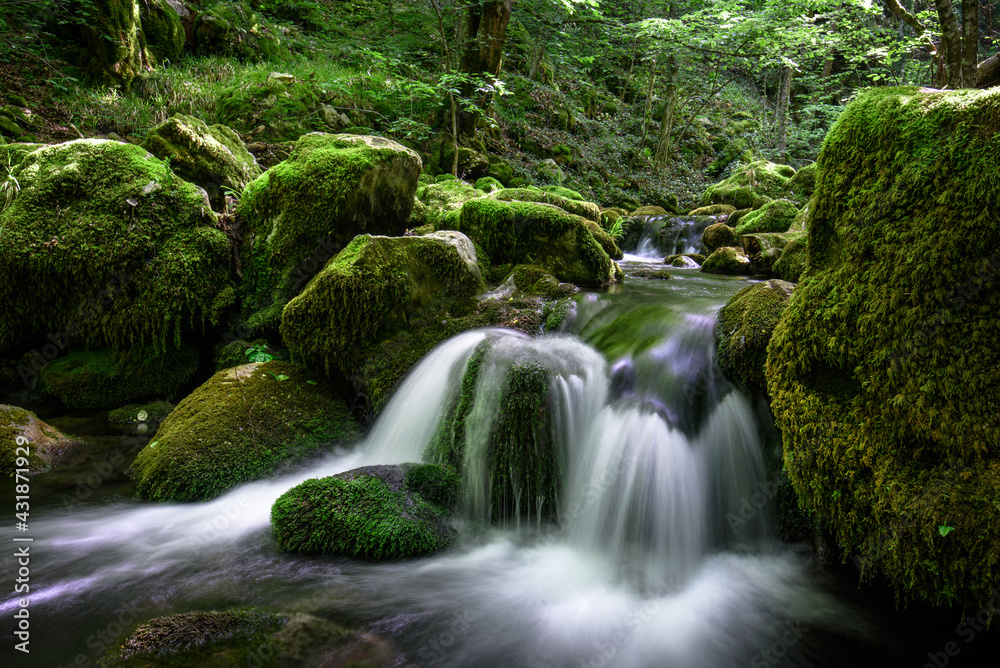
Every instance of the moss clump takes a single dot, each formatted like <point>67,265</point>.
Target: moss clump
<point>301,212</point>
<point>448,195</point>
<point>883,367</point>
<point>103,379</point>
<point>803,184</point>
<point>286,110</point>
<point>648,211</point>
<point>488,184</point>
<point>791,264</point>
<point>154,412</point>
<point>370,291</point>
<point>106,242</point>
<point>211,639</point>
<point>713,210</point>
<point>529,233</point>
<point>748,183</point>
<point>19,429</point>
<point>11,155</point>
<point>164,32</point>
<point>718,236</point>
<point>651,274</point>
<point>587,210</point>
<point>532,280</point>
<point>726,260</point>
<point>375,512</point>
<point>240,425</point>
<point>744,327</point>
<point>213,157</point>
<point>775,216</point>
<point>234,29</point>
<point>235,352</point>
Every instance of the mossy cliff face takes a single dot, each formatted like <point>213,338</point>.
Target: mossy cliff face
<point>529,233</point>
<point>20,429</point>
<point>213,157</point>
<point>374,288</point>
<point>302,211</point>
<point>374,512</point>
<point>101,379</point>
<point>104,241</point>
<point>240,425</point>
<point>744,327</point>
<point>748,183</point>
<point>883,368</point>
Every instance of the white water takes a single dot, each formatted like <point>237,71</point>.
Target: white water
<point>645,570</point>
<point>680,234</point>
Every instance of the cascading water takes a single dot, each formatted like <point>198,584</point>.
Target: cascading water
<point>638,568</point>
<point>670,235</point>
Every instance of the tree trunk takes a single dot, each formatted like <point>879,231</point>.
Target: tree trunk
<point>481,35</point>
<point>783,103</point>
<point>663,147</point>
<point>970,42</point>
<point>988,72</point>
<point>451,96</point>
<point>951,40</point>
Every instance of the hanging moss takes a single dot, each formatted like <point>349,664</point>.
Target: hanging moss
<point>240,425</point>
<point>374,512</point>
<point>448,445</point>
<point>743,329</point>
<point>105,241</point>
<point>883,367</point>
<point>102,379</point>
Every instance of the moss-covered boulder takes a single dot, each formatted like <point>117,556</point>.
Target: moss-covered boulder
<point>605,240</point>
<point>232,28</point>
<point>648,211</point>
<point>718,236</point>
<point>115,41</point>
<point>713,210</point>
<point>213,157</point>
<point>500,170</point>
<point>727,260</point>
<point>791,264</point>
<point>275,110</point>
<point>299,213</point>
<point>163,29</point>
<point>765,248</point>
<point>743,329</point>
<point>488,184</point>
<point>10,156</point>
<point>22,432</point>
<point>103,379</point>
<point>104,241</point>
<point>652,273</point>
<point>518,232</point>
<point>775,216</point>
<point>802,185</point>
<point>241,425</point>
<point>374,512</point>
<point>749,182</point>
<point>449,195</point>
<point>883,367</point>
<point>154,413</point>
<point>239,352</point>
<point>587,210</point>
<point>374,288</point>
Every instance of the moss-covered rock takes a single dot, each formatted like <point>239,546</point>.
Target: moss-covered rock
<point>803,184</point>
<point>749,182</point>
<point>241,425</point>
<point>501,171</point>
<point>374,512</point>
<point>587,210</point>
<point>11,155</point>
<point>791,264</point>
<point>213,157</point>
<point>648,211</point>
<point>239,352</point>
<point>883,367</point>
<point>532,280</point>
<point>153,412</point>
<point>765,248</point>
<point>775,216</point>
<point>113,36</point>
<point>605,240</point>
<point>651,273</point>
<point>713,210</point>
<point>299,213</point>
<point>718,236</point>
<point>284,111</point>
<point>22,432</point>
<point>743,329</point>
<point>103,379</point>
<point>449,195</point>
<point>106,242</point>
<point>518,232</point>
<point>488,184</point>
<point>374,288</point>
<point>727,260</point>
<point>164,32</point>
<point>234,29</point>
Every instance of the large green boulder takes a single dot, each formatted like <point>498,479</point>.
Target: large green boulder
<point>749,182</point>
<point>241,425</point>
<point>28,443</point>
<point>588,210</point>
<point>164,32</point>
<point>518,232</point>
<point>727,260</point>
<point>448,195</point>
<point>102,379</point>
<point>213,157</point>
<point>371,290</point>
<point>802,185</point>
<point>883,367</point>
<point>299,213</point>
<point>113,36</point>
<point>104,241</point>
<point>718,236</point>
<point>775,216</point>
<point>743,329</point>
<point>374,512</point>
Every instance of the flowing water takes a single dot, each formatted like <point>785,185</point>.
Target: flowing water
<point>669,235</point>
<point>646,566</point>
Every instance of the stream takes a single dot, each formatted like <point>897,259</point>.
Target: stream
<point>649,567</point>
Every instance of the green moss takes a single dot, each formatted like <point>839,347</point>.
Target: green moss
<point>501,171</point>
<point>103,379</point>
<point>234,29</point>
<point>113,35</point>
<point>234,353</point>
<point>163,30</point>
<point>651,274</point>
<point>562,192</point>
<point>726,260</point>
<point>528,233</point>
<point>717,236</point>
<point>588,210</point>
<point>803,184</point>
<point>155,412</point>
<point>448,445</point>
<point>448,195</point>
<point>791,264</point>
<point>775,216</point>
<point>13,420</point>
<point>604,239</point>
<point>106,241</point>
<point>749,182</point>
<point>713,210</point>
<point>375,512</point>
<point>240,425</point>
<point>212,639</point>
<point>488,184</point>
<point>744,327</point>
<point>883,367</point>
<point>11,155</point>
<point>286,110</point>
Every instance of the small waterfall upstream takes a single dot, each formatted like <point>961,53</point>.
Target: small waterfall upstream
<point>633,564</point>
<point>671,235</point>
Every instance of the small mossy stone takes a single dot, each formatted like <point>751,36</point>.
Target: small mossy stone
<point>713,210</point>
<point>743,329</point>
<point>718,236</point>
<point>648,211</point>
<point>367,513</point>
<point>727,260</point>
<point>775,216</point>
<point>23,435</point>
<point>154,412</point>
<point>103,379</point>
<point>651,274</point>
<point>747,183</point>
<point>488,184</point>
<point>563,192</point>
<point>502,172</point>
<point>241,425</point>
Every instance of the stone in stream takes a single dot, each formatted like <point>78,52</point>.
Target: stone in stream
<point>727,260</point>
<point>21,431</point>
<point>744,327</point>
<point>748,183</point>
<point>883,367</point>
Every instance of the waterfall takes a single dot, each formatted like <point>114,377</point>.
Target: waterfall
<point>672,235</point>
